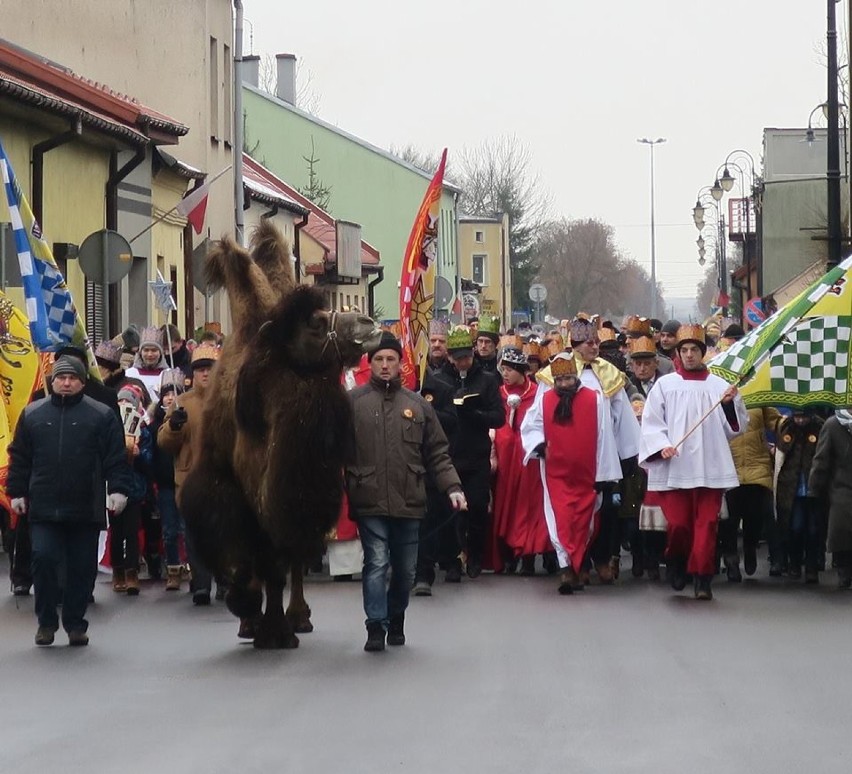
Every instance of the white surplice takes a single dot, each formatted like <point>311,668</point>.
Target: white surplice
<point>674,406</point>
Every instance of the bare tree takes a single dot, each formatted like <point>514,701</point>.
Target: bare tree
<point>427,161</point>
<point>307,97</point>
<point>583,270</point>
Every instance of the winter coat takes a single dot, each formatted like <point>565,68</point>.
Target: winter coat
<point>440,395</point>
<point>398,441</point>
<point>795,448</point>
<point>471,448</point>
<point>63,451</point>
<point>751,451</point>
<point>831,478</point>
<point>93,389</point>
<point>159,464</point>
<point>183,443</point>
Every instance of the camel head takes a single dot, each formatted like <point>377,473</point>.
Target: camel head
<point>311,338</point>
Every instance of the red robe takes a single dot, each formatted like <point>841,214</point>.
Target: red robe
<point>570,467</point>
<point>518,520</point>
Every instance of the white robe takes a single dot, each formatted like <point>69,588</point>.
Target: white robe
<point>674,406</point>
<point>618,429</point>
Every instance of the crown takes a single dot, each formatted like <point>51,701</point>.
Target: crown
<point>151,337</point>
<point>642,346</point>
<point>637,326</point>
<point>532,350</point>
<point>583,328</point>
<point>691,332</point>
<point>205,352</point>
<point>607,334</point>
<point>563,365</point>
<point>513,342</point>
<point>553,346</point>
<point>513,356</point>
<point>438,327</point>
<point>489,323</point>
<point>108,351</point>
<point>459,338</point>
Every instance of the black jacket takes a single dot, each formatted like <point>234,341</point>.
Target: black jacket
<point>63,451</point>
<point>440,395</point>
<point>96,391</point>
<point>471,448</point>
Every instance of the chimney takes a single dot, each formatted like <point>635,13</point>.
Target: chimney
<point>251,70</point>
<point>285,90</point>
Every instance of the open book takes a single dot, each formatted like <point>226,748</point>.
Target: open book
<point>462,399</point>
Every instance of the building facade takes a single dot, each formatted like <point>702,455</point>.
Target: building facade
<point>484,261</point>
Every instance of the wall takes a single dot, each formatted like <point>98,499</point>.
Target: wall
<point>496,295</point>
<point>366,187</point>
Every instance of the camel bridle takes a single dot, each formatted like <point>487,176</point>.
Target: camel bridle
<point>331,338</point>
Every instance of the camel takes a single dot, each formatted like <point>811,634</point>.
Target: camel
<point>266,485</point>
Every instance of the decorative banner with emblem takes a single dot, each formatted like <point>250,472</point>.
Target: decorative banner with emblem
<point>417,284</point>
<point>20,377</point>
<point>800,356</point>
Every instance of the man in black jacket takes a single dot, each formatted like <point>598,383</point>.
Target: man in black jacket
<point>66,447</point>
<point>479,408</point>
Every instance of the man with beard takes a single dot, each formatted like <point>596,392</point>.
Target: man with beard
<point>566,434</point>
<point>689,419</point>
<point>519,528</point>
<point>487,338</point>
<point>437,345</point>
<point>479,409</point>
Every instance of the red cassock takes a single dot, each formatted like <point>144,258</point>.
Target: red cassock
<point>570,467</point>
<point>518,497</point>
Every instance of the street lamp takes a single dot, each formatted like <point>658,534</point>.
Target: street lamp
<point>651,143</point>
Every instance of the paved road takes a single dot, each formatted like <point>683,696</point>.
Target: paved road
<point>500,675</point>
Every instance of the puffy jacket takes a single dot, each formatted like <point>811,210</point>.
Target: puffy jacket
<point>398,441</point>
<point>471,448</point>
<point>63,451</point>
<point>751,451</point>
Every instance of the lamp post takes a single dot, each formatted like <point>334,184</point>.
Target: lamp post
<point>651,143</point>
<point>704,200</point>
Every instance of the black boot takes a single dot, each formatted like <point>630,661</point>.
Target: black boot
<point>396,630</point>
<point>732,569</point>
<point>375,638</point>
<point>454,572</point>
<point>550,562</point>
<point>702,587</point>
<point>527,565</point>
<point>676,573</point>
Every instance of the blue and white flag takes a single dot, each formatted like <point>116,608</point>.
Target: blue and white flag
<point>49,307</point>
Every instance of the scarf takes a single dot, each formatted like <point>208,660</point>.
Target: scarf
<point>844,416</point>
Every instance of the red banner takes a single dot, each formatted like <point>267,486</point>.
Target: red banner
<point>417,283</point>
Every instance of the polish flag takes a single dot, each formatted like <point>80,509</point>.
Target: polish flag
<point>193,206</point>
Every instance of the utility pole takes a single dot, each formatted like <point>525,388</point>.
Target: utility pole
<point>651,144</point>
<point>833,145</point>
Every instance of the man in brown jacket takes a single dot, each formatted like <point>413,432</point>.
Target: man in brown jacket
<point>179,435</point>
<point>398,442</point>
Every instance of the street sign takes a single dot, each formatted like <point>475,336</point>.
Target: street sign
<point>105,257</point>
<point>538,293</point>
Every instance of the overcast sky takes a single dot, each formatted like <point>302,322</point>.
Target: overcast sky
<point>578,82</point>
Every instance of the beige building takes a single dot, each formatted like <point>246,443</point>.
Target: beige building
<point>484,261</point>
<point>178,57</point>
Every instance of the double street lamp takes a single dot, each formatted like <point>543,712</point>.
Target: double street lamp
<point>651,144</point>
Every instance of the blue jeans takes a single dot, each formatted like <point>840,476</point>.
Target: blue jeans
<point>77,546</point>
<point>172,523</point>
<point>389,543</point>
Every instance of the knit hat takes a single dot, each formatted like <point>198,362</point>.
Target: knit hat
<point>130,337</point>
<point>671,327</point>
<point>108,354</point>
<point>130,393</point>
<point>388,341</point>
<point>733,331</point>
<point>68,364</point>
<point>204,356</point>
<point>151,337</point>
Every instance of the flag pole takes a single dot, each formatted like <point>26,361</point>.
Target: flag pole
<point>742,380</point>
<point>165,215</point>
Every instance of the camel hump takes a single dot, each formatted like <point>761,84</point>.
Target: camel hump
<point>271,252</point>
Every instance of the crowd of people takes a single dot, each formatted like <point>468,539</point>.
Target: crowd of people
<point>563,453</point>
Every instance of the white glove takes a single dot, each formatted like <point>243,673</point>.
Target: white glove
<point>116,502</point>
<point>19,505</point>
<point>458,501</point>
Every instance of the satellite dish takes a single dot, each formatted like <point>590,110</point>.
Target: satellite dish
<point>199,254</point>
<point>444,293</point>
<point>105,257</point>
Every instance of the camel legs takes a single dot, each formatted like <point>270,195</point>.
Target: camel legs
<point>274,631</point>
<point>298,612</point>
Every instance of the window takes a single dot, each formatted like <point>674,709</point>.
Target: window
<point>480,274</point>
<point>479,237</point>
<point>214,89</point>
<point>226,95</point>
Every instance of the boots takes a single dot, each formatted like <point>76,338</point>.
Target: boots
<point>702,587</point>
<point>119,584</point>
<point>732,568</point>
<point>173,577</point>
<point>131,578</point>
<point>155,566</point>
<point>527,565</point>
<point>396,630</point>
<point>375,638</point>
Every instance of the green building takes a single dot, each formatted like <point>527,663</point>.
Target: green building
<point>367,185</point>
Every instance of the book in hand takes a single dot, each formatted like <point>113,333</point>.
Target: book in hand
<point>467,400</point>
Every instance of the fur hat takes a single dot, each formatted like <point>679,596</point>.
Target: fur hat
<point>204,356</point>
<point>388,341</point>
<point>642,347</point>
<point>671,327</point>
<point>563,365</point>
<point>67,364</point>
<point>438,327</point>
<point>459,339</point>
<point>108,354</point>
<point>151,337</point>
